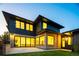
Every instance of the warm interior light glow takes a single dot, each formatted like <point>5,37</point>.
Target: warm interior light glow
<point>63,43</point>
<point>11,36</point>
<point>23,41</point>
<point>27,27</point>
<point>32,42</point>
<point>31,27</point>
<point>50,40</point>
<point>28,42</point>
<point>69,40</point>
<point>68,33</point>
<point>37,41</point>
<point>22,25</point>
<point>17,41</point>
<point>59,40</point>
<point>44,25</point>
<point>42,40</point>
<point>17,24</point>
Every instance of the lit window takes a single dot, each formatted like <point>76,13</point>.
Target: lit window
<point>42,40</point>
<point>22,25</point>
<point>31,27</point>
<point>63,42</point>
<point>28,42</point>
<point>17,41</point>
<point>69,40</point>
<point>37,41</point>
<point>32,42</point>
<point>17,24</point>
<point>27,27</point>
<point>50,40</point>
<point>44,25</point>
<point>23,41</point>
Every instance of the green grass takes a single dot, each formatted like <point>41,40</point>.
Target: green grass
<point>47,53</point>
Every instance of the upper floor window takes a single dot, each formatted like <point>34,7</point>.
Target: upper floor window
<point>17,24</point>
<point>27,26</point>
<point>31,27</point>
<point>44,25</point>
<point>22,25</point>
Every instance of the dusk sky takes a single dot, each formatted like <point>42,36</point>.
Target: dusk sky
<point>64,14</point>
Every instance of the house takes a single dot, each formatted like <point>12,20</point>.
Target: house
<point>41,33</point>
<point>72,38</point>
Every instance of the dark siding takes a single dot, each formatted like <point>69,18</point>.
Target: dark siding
<point>53,28</point>
<point>76,41</point>
<point>13,29</point>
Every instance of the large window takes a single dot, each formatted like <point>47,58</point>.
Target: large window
<point>63,42</point>
<point>44,25</point>
<point>17,24</point>
<point>22,25</point>
<point>31,27</point>
<point>50,40</point>
<point>22,41</point>
<point>37,41</point>
<point>17,41</point>
<point>28,42</point>
<point>32,42</point>
<point>42,40</point>
<point>27,27</point>
<point>69,40</point>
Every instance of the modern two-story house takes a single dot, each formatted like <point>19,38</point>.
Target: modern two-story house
<point>41,33</point>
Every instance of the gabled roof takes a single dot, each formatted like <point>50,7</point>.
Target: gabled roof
<point>40,18</point>
<point>9,15</point>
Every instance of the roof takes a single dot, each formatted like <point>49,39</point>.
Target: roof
<point>74,30</point>
<point>48,21</point>
<point>9,15</point>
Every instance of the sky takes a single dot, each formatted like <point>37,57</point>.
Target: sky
<point>63,14</point>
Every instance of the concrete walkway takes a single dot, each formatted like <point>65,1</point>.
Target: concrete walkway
<point>27,50</point>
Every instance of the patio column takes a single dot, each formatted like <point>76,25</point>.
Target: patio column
<point>46,41</point>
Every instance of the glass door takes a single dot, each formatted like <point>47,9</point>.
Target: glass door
<point>66,42</point>
<point>50,41</point>
<point>28,42</point>
<point>22,41</point>
<point>17,41</point>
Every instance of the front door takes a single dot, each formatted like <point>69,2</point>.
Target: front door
<point>66,43</point>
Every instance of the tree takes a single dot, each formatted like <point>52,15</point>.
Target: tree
<point>5,37</point>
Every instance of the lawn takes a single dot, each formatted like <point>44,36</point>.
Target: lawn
<point>47,53</point>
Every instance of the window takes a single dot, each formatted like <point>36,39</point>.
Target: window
<point>17,24</point>
<point>22,25</point>
<point>42,40</point>
<point>63,42</point>
<point>27,26</point>
<point>69,40</point>
<point>28,42</point>
<point>22,41</point>
<point>31,27</point>
<point>44,25</point>
<point>50,40</point>
<point>17,41</point>
<point>32,42</point>
<point>37,41</point>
